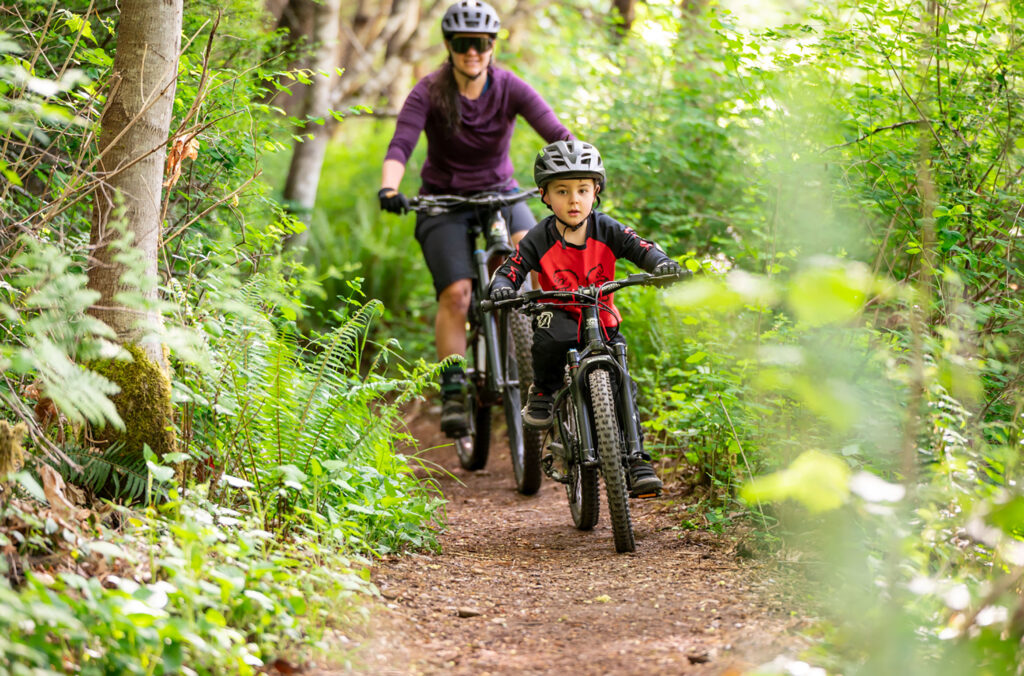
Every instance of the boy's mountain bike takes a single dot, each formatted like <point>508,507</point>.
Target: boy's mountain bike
<point>596,428</point>
<point>499,367</point>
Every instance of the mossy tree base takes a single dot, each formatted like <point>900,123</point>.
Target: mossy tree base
<point>144,404</point>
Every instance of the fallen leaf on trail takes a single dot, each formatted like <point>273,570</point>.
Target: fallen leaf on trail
<point>53,487</point>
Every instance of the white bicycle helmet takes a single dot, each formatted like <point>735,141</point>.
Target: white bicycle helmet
<point>568,159</point>
<point>470,16</point>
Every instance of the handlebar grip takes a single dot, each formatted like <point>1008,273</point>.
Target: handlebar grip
<point>488,305</point>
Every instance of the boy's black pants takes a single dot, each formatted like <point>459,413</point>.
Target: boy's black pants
<point>554,333</point>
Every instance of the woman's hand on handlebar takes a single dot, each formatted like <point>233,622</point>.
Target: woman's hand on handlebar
<point>393,201</point>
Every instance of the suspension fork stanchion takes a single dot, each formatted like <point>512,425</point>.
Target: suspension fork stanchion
<point>627,407</point>
<point>588,450</point>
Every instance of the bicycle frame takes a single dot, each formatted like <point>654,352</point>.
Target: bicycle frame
<point>595,353</point>
<point>488,323</point>
<point>496,243</point>
<point>495,370</point>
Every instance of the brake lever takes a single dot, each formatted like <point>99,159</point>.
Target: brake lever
<point>669,279</point>
<point>488,305</point>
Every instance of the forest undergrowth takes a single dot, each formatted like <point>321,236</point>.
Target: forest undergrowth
<point>842,376</point>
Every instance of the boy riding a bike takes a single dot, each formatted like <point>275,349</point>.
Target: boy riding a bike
<point>575,246</point>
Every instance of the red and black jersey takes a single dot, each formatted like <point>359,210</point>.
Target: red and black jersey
<point>565,267</point>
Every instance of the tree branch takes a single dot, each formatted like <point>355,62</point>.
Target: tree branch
<point>876,130</point>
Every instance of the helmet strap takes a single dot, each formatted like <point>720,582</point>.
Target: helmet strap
<point>467,75</point>
<point>573,228</point>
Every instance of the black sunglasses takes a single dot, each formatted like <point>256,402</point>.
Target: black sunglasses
<point>461,45</point>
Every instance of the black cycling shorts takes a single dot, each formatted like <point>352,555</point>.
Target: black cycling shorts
<point>555,331</point>
<point>445,241</point>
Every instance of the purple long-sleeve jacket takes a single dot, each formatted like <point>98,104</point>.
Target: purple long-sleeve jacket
<point>476,157</point>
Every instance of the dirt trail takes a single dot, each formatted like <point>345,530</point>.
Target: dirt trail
<point>552,599</point>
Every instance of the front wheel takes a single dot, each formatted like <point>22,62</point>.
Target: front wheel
<point>581,489</point>
<point>525,444</point>
<point>610,453</point>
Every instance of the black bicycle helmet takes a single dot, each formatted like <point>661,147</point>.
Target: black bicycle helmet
<point>470,16</point>
<point>568,159</point>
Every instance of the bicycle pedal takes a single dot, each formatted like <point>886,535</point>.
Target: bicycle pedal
<point>646,496</point>
<point>547,464</point>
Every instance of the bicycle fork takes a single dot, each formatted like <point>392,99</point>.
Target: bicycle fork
<point>494,365</point>
<point>575,446</point>
<point>629,417</point>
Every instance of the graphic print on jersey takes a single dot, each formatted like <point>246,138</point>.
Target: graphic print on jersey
<point>565,280</point>
<point>596,275</point>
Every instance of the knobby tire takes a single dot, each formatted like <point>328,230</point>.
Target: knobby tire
<point>581,490</point>
<point>475,457</point>
<point>610,453</point>
<point>526,444</point>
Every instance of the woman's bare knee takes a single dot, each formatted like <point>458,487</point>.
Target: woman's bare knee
<point>455,297</point>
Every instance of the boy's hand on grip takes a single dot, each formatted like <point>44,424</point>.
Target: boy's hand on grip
<point>393,201</point>
<point>501,293</point>
<point>668,267</point>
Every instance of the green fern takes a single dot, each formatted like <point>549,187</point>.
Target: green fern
<point>112,473</point>
<point>301,419</point>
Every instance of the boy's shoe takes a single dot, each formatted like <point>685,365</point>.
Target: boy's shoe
<point>539,410</point>
<point>454,421</point>
<point>643,482</point>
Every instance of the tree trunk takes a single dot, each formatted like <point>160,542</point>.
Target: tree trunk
<point>126,218</point>
<point>296,19</point>
<point>693,7</point>
<point>626,9</point>
<point>308,155</point>
<point>132,144</point>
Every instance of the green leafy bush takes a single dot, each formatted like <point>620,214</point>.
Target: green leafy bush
<point>249,544</point>
<point>189,587</point>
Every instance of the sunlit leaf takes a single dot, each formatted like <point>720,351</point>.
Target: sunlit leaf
<point>816,480</point>
<point>829,292</point>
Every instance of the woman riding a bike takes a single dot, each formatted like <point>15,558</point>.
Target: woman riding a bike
<point>467,108</point>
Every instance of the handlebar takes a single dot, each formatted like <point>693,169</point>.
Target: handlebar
<point>586,293</point>
<point>439,204</point>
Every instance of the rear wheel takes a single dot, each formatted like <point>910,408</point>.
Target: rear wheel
<point>610,453</point>
<point>525,444</point>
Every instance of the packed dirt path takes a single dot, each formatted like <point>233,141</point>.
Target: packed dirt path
<point>518,590</point>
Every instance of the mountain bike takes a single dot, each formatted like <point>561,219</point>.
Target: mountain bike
<point>596,426</point>
<point>498,362</point>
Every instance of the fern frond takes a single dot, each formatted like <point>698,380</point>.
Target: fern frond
<point>113,472</point>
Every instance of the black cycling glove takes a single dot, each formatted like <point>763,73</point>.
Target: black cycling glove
<point>669,267</point>
<point>393,201</point>
<point>500,293</point>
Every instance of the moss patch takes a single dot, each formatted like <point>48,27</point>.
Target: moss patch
<point>144,404</point>
<point>12,457</point>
